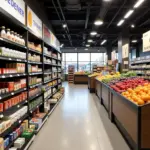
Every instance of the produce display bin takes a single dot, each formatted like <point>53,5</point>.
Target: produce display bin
<point>80,79</point>
<point>98,89</point>
<point>91,84</point>
<point>133,121</point>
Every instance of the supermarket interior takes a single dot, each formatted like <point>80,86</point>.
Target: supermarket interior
<point>74,75</point>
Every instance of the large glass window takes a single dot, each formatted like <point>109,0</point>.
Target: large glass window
<point>97,57</point>
<point>71,56</point>
<point>84,57</point>
<point>84,66</point>
<point>63,57</point>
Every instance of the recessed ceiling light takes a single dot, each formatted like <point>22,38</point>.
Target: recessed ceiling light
<point>90,40</point>
<point>134,41</point>
<point>93,33</point>
<point>107,0</point>
<point>128,14</point>
<point>86,49</point>
<point>120,22</point>
<point>103,42</point>
<point>132,26</point>
<point>87,45</point>
<point>98,22</point>
<point>138,3</point>
<point>64,25</point>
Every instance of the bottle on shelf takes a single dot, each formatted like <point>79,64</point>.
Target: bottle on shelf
<point>8,34</point>
<point>3,32</point>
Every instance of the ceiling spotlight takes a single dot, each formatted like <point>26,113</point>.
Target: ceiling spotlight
<point>103,42</point>
<point>64,25</point>
<point>93,33</point>
<point>87,45</point>
<point>132,26</point>
<point>134,41</point>
<point>98,22</point>
<point>128,14</point>
<point>86,49</point>
<point>120,22</point>
<point>90,41</point>
<point>61,45</point>
<point>139,2</point>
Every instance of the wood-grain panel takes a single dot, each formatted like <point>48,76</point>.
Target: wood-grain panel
<point>126,115</point>
<point>105,96</point>
<point>145,127</point>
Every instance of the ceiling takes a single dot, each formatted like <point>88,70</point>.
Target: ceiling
<point>79,15</point>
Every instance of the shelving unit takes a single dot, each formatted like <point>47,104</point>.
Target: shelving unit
<point>45,70</point>
<point>141,66</point>
<point>71,74</point>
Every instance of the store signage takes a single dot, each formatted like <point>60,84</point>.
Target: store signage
<point>113,55</point>
<point>125,51</point>
<point>16,8</point>
<point>34,23</point>
<point>50,38</point>
<point>146,41</point>
<point>47,34</point>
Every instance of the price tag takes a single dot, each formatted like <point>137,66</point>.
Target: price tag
<point>26,101</point>
<point>10,59</point>
<point>19,121</point>
<point>12,93</point>
<point>18,59</point>
<point>1,116</point>
<point>18,106</point>
<point>0,97</point>
<point>10,76</point>
<point>18,75</point>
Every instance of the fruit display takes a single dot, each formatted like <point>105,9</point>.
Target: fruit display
<point>125,84</point>
<point>139,95</point>
<point>94,74</point>
<point>108,78</point>
<point>82,73</point>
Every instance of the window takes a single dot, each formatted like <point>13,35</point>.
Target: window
<point>63,57</point>
<point>97,57</point>
<point>71,56</point>
<point>71,63</point>
<point>84,66</point>
<point>84,57</point>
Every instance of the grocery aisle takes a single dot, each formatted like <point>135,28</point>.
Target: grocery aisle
<point>79,123</point>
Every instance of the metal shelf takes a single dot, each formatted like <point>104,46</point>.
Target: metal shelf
<point>34,62</point>
<point>12,43</point>
<point>12,59</point>
<point>35,51</point>
<point>12,75</point>
<point>35,73</point>
<point>12,93</point>
<point>34,85</point>
<point>33,109</point>
<point>35,96</point>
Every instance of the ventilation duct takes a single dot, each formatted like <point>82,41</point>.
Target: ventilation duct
<point>73,5</point>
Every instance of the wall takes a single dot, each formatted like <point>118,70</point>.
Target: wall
<point>39,11</point>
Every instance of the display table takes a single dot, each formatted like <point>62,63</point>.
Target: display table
<point>133,121</point>
<point>91,84</point>
<point>80,79</point>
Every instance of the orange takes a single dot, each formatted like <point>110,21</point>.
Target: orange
<point>140,102</point>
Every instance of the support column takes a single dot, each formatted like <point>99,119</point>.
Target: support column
<point>123,50</point>
<point>109,50</point>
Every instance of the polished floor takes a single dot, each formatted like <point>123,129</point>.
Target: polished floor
<point>79,123</point>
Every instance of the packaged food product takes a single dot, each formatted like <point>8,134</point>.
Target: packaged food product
<point>3,32</point>
<point>1,144</point>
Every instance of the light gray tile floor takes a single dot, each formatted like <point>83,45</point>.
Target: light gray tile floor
<point>79,123</point>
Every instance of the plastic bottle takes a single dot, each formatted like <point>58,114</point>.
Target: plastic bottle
<point>12,36</point>
<point>8,34</point>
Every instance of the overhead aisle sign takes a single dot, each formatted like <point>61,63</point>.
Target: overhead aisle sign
<point>146,41</point>
<point>34,23</point>
<point>16,8</point>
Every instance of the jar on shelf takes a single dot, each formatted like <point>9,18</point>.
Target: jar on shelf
<point>3,32</point>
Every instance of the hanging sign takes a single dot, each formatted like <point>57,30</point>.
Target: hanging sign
<point>146,41</point>
<point>34,23</point>
<point>113,55</point>
<point>125,51</point>
<point>47,34</point>
<point>16,8</point>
